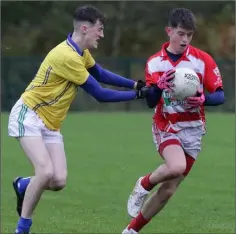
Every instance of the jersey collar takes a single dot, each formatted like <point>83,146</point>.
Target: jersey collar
<point>73,45</point>
<point>165,55</point>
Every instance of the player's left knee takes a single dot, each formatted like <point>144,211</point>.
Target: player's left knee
<point>58,184</point>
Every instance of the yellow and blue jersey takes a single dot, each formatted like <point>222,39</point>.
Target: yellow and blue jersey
<point>54,87</point>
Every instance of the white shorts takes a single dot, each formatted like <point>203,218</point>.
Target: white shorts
<point>189,139</point>
<point>25,122</point>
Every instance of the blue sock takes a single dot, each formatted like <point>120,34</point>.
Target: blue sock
<point>23,225</point>
<point>23,183</point>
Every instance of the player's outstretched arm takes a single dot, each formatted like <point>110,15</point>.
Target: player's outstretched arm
<point>106,77</point>
<point>101,94</point>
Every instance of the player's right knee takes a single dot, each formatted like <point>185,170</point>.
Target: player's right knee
<point>57,184</point>
<point>175,160</point>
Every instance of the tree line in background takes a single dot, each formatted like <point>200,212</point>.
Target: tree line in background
<point>133,29</point>
<point>133,32</point>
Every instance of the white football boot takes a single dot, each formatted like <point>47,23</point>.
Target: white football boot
<point>136,199</point>
<point>129,231</point>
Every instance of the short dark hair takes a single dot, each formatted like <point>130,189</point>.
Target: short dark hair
<point>89,13</point>
<point>182,17</point>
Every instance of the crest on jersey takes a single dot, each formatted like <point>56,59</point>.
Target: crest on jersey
<point>170,101</point>
<point>217,72</point>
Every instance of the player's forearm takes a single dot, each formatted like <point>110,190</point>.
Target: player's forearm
<point>108,95</point>
<point>92,87</point>
<point>214,99</point>
<point>153,96</point>
<point>107,77</point>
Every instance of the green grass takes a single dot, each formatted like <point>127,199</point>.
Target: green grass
<point>106,154</point>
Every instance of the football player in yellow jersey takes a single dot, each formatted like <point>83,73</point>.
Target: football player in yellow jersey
<point>36,118</point>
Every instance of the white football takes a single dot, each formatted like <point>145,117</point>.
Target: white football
<point>186,83</point>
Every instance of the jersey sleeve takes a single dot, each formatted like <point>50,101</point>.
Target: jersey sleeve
<point>212,78</point>
<point>89,60</point>
<point>73,69</point>
<point>150,78</point>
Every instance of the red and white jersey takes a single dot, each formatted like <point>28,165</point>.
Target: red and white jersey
<point>170,114</point>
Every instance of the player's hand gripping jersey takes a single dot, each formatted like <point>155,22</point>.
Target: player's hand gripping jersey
<point>172,115</point>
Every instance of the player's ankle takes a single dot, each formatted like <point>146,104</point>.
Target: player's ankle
<point>146,184</point>
<point>24,224</point>
<point>138,223</point>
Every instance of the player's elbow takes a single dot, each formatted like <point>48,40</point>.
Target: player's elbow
<point>100,96</point>
<point>151,101</point>
<point>101,99</point>
<point>151,105</point>
<point>221,99</point>
<point>153,97</point>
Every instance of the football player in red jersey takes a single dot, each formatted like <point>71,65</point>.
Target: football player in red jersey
<point>178,127</point>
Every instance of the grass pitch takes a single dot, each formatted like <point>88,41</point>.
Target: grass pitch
<point>106,154</point>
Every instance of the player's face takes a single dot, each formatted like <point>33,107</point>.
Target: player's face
<point>180,38</point>
<point>94,34</point>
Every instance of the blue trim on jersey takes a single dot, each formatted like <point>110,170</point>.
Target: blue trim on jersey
<point>73,45</point>
<point>106,77</point>
<point>101,94</point>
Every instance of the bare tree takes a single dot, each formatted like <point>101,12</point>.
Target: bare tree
<point>117,30</point>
